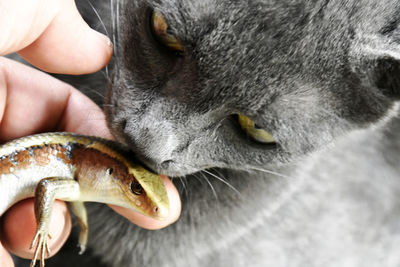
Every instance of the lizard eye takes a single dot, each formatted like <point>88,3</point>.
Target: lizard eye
<point>136,188</point>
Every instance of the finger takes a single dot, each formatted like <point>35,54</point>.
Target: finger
<point>153,224</point>
<point>82,115</point>
<point>32,101</point>
<point>68,45</point>
<point>19,228</point>
<point>52,35</point>
<point>5,258</point>
<point>23,21</point>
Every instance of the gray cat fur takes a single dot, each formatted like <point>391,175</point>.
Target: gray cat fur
<point>321,76</point>
<point>301,69</point>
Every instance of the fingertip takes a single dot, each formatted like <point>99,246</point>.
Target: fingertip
<point>175,204</point>
<point>175,207</point>
<point>69,46</point>
<point>19,227</point>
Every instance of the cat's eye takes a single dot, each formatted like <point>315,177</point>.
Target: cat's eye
<point>254,131</point>
<point>161,32</point>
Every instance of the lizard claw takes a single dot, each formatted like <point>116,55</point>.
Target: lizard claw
<point>82,249</point>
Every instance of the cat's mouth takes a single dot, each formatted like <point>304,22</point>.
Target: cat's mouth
<point>172,168</point>
<point>175,169</point>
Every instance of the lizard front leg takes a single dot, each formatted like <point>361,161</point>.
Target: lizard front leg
<point>47,190</point>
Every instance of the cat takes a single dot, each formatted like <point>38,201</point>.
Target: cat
<point>322,77</point>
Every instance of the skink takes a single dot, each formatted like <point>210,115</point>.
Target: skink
<point>75,168</point>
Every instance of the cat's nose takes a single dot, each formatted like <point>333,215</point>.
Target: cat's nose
<point>154,144</point>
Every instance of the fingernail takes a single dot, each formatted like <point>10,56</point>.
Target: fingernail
<point>109,43</point>
<point>104,38</point>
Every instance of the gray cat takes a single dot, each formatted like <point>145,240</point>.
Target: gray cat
<point>322,77</point>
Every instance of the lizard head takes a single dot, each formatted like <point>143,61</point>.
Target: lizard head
<point>141,190</point>
<point>115,180</point>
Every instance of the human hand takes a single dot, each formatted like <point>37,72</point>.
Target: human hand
<point>32,101</point>
<point>52,35</point>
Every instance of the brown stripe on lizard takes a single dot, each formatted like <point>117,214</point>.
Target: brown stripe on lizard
<point>75,168</point>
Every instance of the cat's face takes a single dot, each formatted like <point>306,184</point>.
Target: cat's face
<point>297,69</point>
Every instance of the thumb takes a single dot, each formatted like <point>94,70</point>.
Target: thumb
<point>5,258</point>
<point>52,35</point>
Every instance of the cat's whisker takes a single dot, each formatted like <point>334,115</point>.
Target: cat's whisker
<point>182,182</point>
<point>87,89</point>
<point>115,16</point>
<point>106,73</point>
<point>94,120</point>
<point>118,16</point>
<point>113,22</point>
<point>219,173</point>
<point>223,181</point>
<point>102,119</point>
<point>270,172</point>
<point>198,178</point>
<point>99,17</point>
<point>210,184</point>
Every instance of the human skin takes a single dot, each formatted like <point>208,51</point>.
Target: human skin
<point>32,101</point>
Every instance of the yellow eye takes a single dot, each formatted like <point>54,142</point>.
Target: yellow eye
<point>253,131</point>
<point>160,31</point>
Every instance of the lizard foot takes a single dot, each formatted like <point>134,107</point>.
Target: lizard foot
<point>42,246</point>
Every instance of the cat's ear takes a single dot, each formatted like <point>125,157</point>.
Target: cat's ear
<point>377,60</point>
